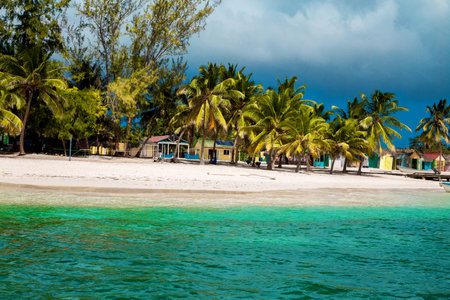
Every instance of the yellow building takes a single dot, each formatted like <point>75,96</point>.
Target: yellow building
<point>224,149</point>
<point>388,161</point>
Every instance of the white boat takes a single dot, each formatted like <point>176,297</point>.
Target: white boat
<point>446,186</point>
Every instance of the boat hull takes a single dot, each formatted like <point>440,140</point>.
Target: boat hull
<point>446,186</point>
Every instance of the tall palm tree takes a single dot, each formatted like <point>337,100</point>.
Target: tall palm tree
<point>208,100</point>
<point>380,122</point>
<point>236,120</point>
<point>436,127</point>
<point>356,110</point>
<point>304,135</point>
<point>31,77</point>
<point>346,137</point>
<point>270,115</point>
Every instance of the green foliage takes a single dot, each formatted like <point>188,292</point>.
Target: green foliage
<point>32,77</point>
<point>164,27</point>
<point>436,127</point>
<point>380,122</point>
<point>27,23</point>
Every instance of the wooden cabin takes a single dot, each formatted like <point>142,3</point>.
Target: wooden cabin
<point>164,146</point>
<point>224,149</point>
<point>435,158</point>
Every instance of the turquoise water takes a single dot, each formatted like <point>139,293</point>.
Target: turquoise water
<point>240,252</point>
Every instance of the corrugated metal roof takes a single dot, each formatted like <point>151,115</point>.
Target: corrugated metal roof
<point>155,139</point>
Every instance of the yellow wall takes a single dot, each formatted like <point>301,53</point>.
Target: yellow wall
<point>220,153</point>
<point>386,162</point>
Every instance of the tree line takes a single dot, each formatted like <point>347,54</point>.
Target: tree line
<point>122,79</point>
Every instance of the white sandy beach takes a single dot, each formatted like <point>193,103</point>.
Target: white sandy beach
<point>124,174</point>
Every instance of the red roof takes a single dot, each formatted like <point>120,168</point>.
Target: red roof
<point>432,156</point>
<point>155,139</point>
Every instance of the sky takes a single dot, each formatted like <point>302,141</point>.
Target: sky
<point>338,48</point>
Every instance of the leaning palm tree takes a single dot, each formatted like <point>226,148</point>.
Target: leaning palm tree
<point>380,122</point>
<point>436,127</point>
<point>31,77</point>
<point>208,100</point>
<point>304,136</point>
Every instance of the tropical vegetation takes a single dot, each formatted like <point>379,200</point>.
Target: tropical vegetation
<point>127,82</point>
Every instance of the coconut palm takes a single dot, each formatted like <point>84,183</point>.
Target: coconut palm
<point>380,122</point>
<point>356,110</point>
<point>346,137</point>
<point>436,127</point>
<point>270,114</point>
<point>208,100</point>
<point>304,135</point>
<point>9,122</point>
<point>31,77</point>
<point>236,120</point>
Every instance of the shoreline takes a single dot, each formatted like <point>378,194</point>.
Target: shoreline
<point>123,182</point>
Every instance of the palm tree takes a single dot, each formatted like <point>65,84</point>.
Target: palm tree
<point>31,77</point>
<point>236,120</point>
<point>356,110</point>
<point>208,100</point>
<point>270,115</point>
<point>347,138</point>
<point>436,127</point>
<point>8,120</point>
<point>380,122</point>
<point>304,135</point>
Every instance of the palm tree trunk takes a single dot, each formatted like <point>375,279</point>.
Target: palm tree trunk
<point>24,122</point>
<point>297,168</point>
<point>213,156</point>
<point>127,135</point>
<point>280,163</point>
<point>234,157</point>
<point>332,165</point>
<point>116,135</point>
<point>202,149</point>
<point>440,154</point>
<point>269,163</point>
<point>308,163</point>
<point>64,146</point>
<point>360,167</point>
<point>175,153</point>
<point>344,169</point>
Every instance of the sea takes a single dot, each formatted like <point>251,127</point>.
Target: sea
<point>211,251</point>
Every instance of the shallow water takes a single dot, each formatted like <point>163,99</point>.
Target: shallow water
<point>256,252</point>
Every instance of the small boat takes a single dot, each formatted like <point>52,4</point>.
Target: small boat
<point>446,186</point>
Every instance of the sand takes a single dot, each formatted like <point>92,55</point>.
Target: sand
<point>127,176</point>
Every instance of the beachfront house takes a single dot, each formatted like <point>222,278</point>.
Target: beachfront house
<point>435,158</point>
<point>164,146</point>
<point>408,158</point>
<point>373,160</point>
<point>224,149</point>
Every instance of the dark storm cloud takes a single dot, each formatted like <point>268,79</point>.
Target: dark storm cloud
<point>338,48</point>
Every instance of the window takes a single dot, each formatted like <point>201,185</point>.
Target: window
<point>226,152</point>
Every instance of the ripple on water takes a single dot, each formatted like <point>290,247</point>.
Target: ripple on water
<point>259,252</point>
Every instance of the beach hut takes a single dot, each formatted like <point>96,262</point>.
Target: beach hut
<point>164,146</point>
<point>339,162</point>
<point>322,161</point>
<point>447,162</point>
<point>373,160</point>
<point>388,160</point>
<point>224,149</point>
<point>436,157</point>
<point>408,158</point>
